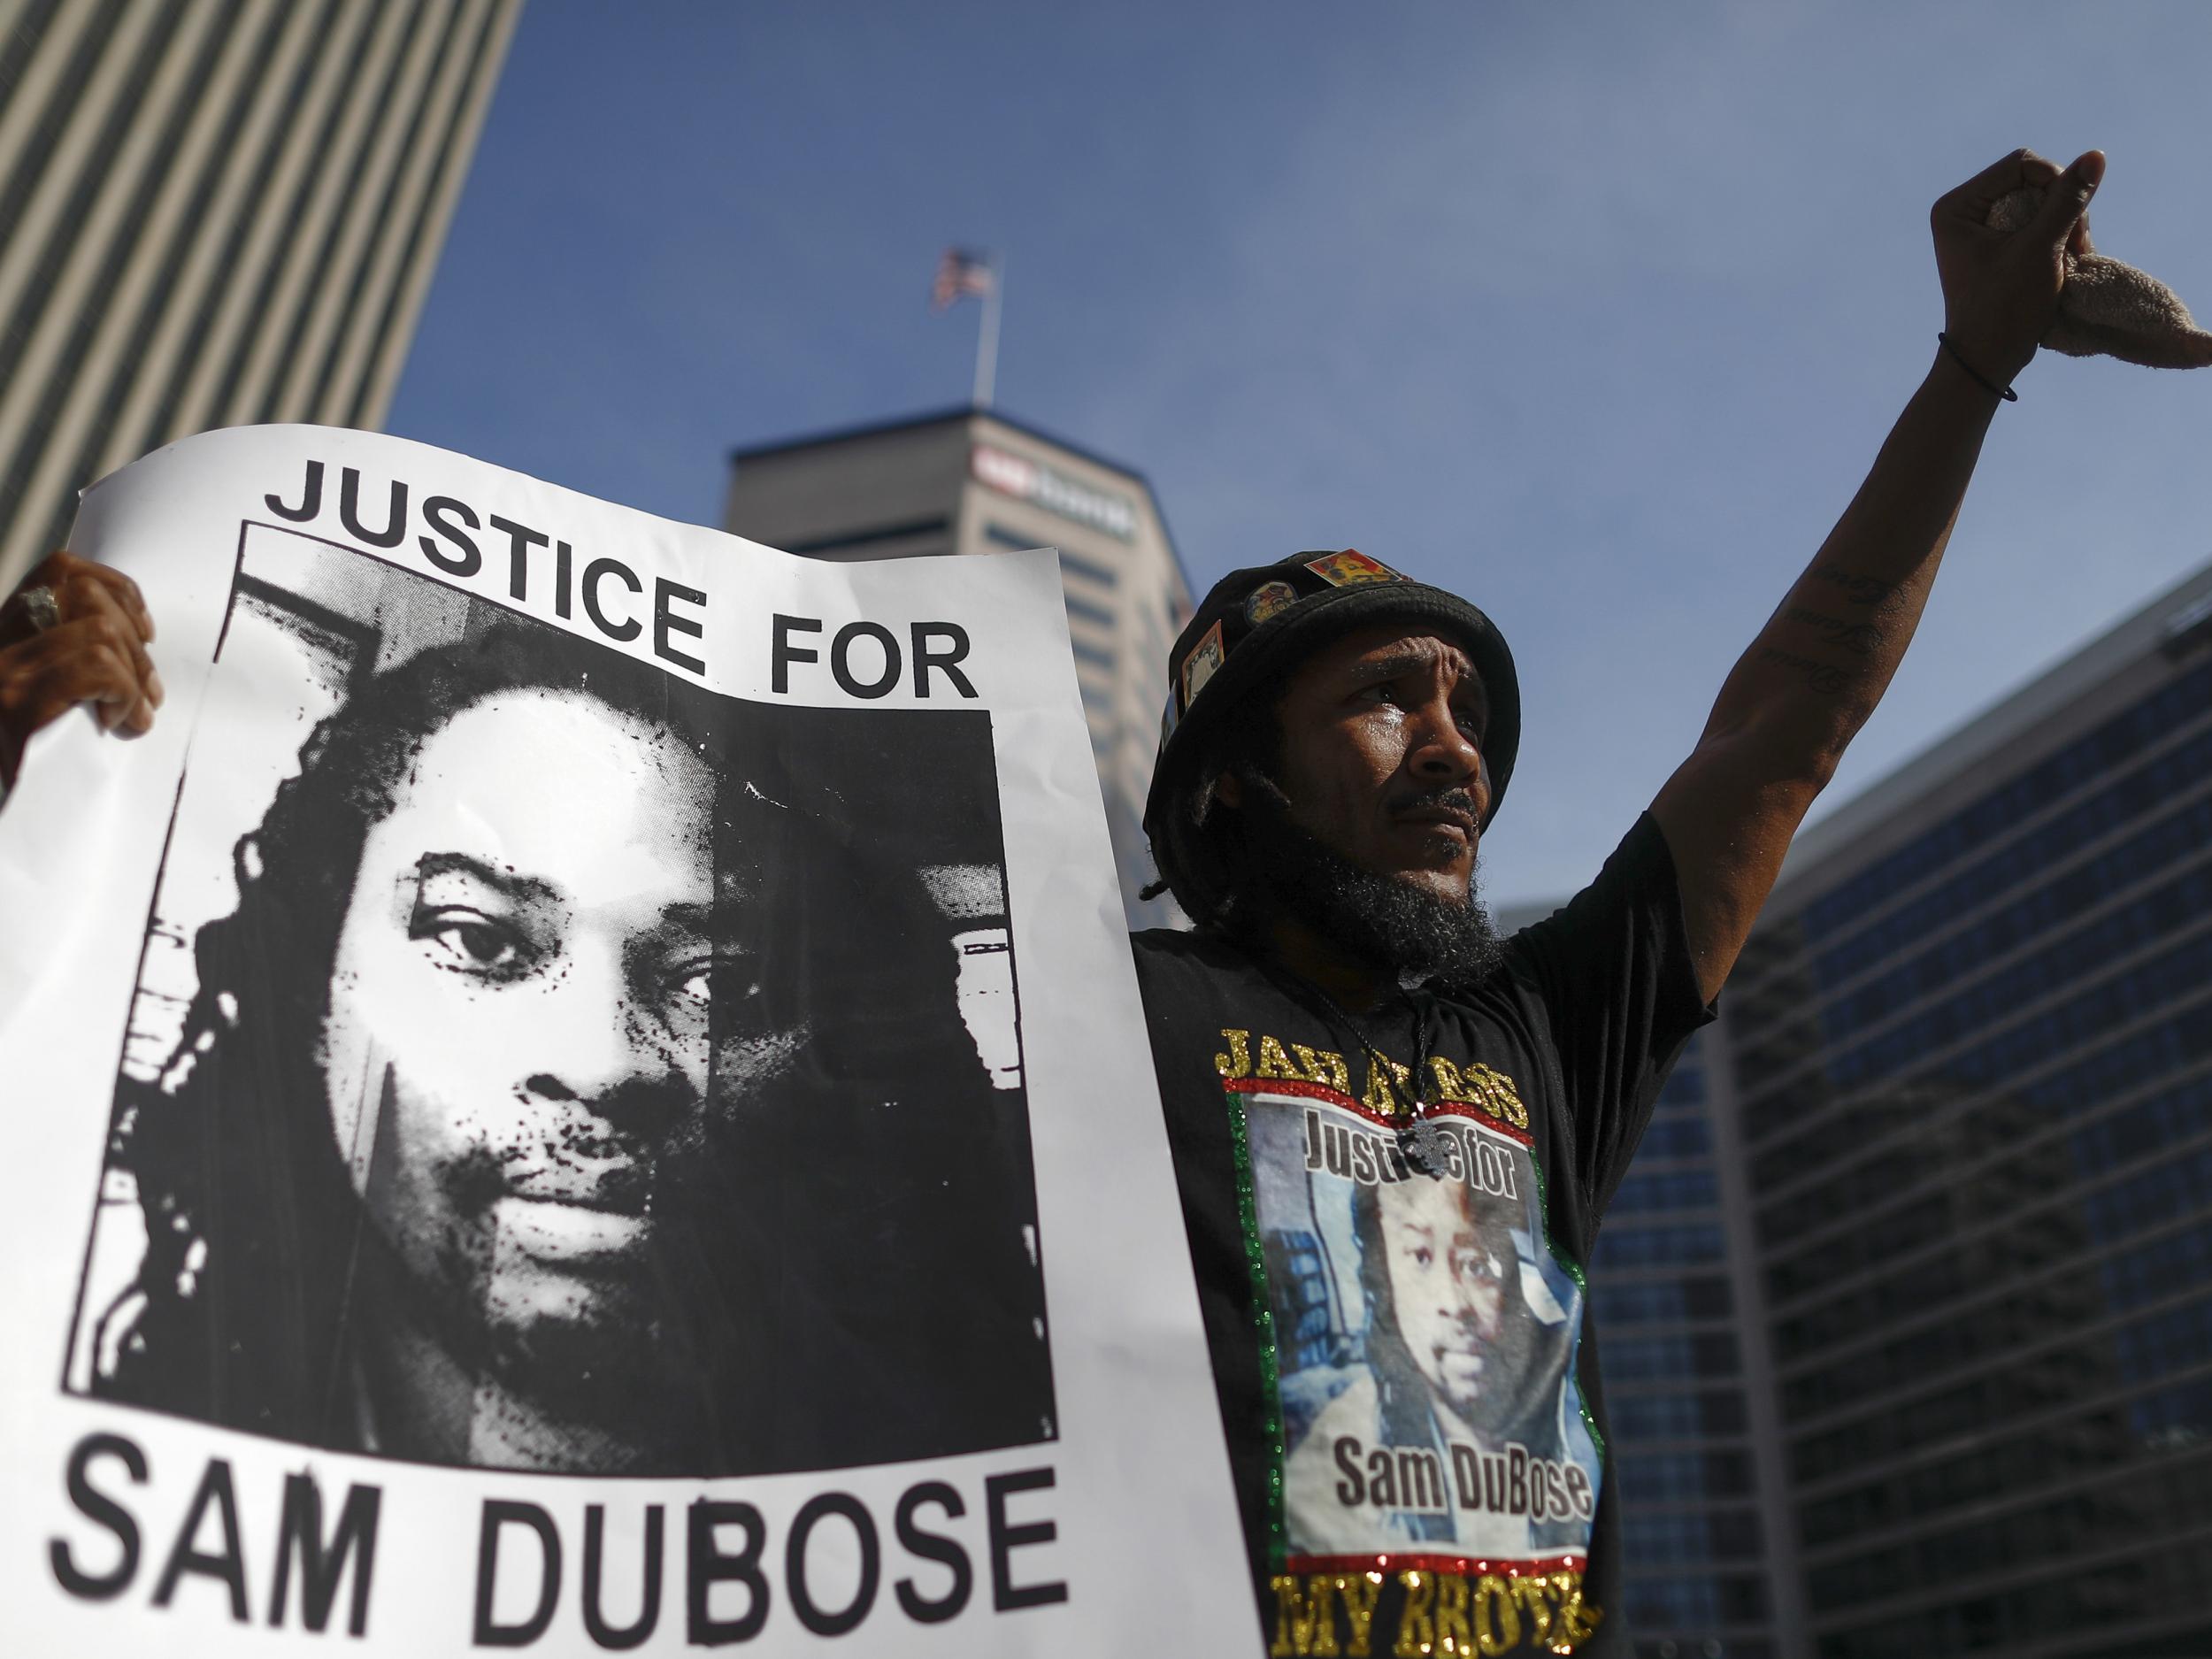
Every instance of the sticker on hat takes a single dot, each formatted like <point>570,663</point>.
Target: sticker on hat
<point>1204,661</point>
<point>1351,569</point>
<point>1267,600</point>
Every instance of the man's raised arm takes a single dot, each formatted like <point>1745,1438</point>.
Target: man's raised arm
<point>1818,668</point>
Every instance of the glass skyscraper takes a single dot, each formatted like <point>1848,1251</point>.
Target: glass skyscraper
<point>1970,1052</point>
<point>1703,1555</point>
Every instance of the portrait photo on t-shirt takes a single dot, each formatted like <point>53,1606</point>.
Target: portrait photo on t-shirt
<point>539,1061</point>
<point>1424,1338</point>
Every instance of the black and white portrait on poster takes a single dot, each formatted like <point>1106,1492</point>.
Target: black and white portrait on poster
<point>579,1078</point>
<point>582,1090</point>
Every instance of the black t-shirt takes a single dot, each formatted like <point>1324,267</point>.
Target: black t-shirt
<point>1406,1360</point>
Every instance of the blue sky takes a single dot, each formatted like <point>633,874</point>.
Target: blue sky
<point>1593,314</point>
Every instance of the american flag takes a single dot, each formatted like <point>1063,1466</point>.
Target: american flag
<point>961,272</point>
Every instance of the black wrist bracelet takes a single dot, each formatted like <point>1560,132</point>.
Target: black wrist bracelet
<point>1986,384</point>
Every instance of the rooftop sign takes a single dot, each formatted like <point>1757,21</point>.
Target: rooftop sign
<point>1030,480</point>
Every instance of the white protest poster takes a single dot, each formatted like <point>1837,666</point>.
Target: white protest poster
<point>582,1091</point>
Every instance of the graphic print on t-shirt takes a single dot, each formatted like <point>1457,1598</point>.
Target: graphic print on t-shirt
<point>1424,1334</point>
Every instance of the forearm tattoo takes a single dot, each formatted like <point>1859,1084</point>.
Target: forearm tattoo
<point>1823,678</point>
<point>1858,638</point>
<point>1855,588</point>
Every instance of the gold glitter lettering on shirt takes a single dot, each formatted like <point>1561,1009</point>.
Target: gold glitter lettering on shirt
<point>1447,1613</point>
<point>1305,1616</point>
<point>1379,1098</point>
<point>1323,1067</point>
<point>1534,1595</point>
<point>1361,1591</point>
<point>1579,1619</point>
<point>1417,1630</point>
<point>1473,1084</point>
<point>1275,1063</point>
<point>1496,1094</point>
<point>1497,1621</point>
<point>1454,1634</point>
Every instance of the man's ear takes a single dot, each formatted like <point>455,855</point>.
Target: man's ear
<point>1229,789</point>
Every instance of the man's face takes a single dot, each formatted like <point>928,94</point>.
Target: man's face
<point>517,1031</point>
<point>1449,1285</point>
<point>1382,738</point>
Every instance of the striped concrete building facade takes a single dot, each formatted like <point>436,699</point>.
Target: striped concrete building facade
<point>213,213</point>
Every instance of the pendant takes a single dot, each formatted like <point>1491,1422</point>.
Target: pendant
<point>1423,1146</point>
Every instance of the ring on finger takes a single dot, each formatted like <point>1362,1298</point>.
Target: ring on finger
<point>41,607</point>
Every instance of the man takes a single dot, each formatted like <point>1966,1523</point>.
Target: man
<point>529,1116</point>
<point>1337,740</point>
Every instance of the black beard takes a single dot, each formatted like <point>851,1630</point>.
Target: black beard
<point>1386,922</point>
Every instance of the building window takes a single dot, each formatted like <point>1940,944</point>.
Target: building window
<point>1662,1302</point>
<point>1679,1355</point>
<point>2129,796</point>
<point>1088,609</point>
<point>1097,656</point>
<point>1685,1084</point>
<point>2102,751</point>
<point>1090,568</point>
<point>1671,1417</point>
<point>1683,1137</point>
<point>845,541</point>
<point>1666,1189</point>
<point>1625,1247</point>
<point>1651,1539</point>
<point>999,535</point>
<point>1650,1478</point>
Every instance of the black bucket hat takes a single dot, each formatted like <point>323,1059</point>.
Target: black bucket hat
<point>1257,621</point>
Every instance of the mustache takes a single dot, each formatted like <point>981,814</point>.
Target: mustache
<point>1455,799</point>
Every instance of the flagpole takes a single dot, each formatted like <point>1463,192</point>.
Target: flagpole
<point>986,335</point>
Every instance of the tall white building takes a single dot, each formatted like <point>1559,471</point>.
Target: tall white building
<point>971,481</point>
<point>212,213</point>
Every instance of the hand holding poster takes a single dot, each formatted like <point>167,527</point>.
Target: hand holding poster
<point>566,1086</point>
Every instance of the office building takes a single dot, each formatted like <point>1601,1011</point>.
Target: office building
<point>971,481</point>
<point>212,213</point>
<point>1708,1555</point>
<point>1970,1047</point>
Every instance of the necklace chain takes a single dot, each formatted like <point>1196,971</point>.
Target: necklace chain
<point>1418,1139</point>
